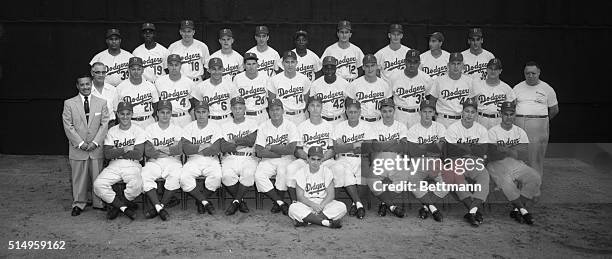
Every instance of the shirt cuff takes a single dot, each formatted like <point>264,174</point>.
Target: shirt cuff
<point>97,145</point>
<point>79,146</point>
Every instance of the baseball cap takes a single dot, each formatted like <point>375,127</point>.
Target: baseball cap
<point>261,30</point>
<point>187,24</point>
<point>470,102</point>
<point>289,54</point>
<point>225,32</point>
<point>215,62</point>
<point>437,35</point>
<point>494,64</point>
<point>201,104</point>
<point>507,106</point>
<point>344,25</point>
<point>352,102</point>
<point>315,151</point>
<point>250,55</point>
<point>428,103</point>
<point>174,57</point>
<point>369,58</point>
<point>237,100</point>
<point>275,102</point>
<point>413,55</point>
<point>329,60</point>
<point>135,61</point>
<point>301,32</point>
<point>316,98</point>
<point>124,106</point>
<point>396,27</point>
<point>164,104</point>
<point>387,102</point>
<point>148,26</point>
<point>475,32</point>
<point>111,32</point>
<point>456,56</point>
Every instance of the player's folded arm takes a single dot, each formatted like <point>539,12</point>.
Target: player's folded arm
<point>150,151</point>
<point>213,150</point>
<point>176,149</point>
<point>264,153</point>
<point>330,190</point>
<point>300,153</point>
<point>189,148</point>
<point>247,141</point>
<point>342,147</point>
<point>226,146</point>
<point>457,150</point>
<point>288,149</point>
<point>479,149</point>
<point>136,153</point>
<point>110,152</point>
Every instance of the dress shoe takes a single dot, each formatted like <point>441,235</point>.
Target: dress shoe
<point>243,207</point>
<point>360,213</point>
<point>231,210</point>
<point>471,218</point>
<point>353,210</point>
<point>163,214</point>
<point>382,209</point>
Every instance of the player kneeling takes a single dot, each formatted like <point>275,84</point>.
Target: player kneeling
<point>124,146</point>
<point>315,194</point>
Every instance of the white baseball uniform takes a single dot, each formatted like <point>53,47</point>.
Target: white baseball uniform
<point>391,61</point>
<point>268,134</point>
<point>121,169</point>
<point>311,135</point>
<point>267,60</point>
<point>315,189</point>
<point>333,96</point>
<point>109,93</point>
<point>490,99</point>
<point>194,57</point>
<point>291,92</point>
<point>349,60</point>
<point>232,64</point>
<point>421,135</point>
<point>197,164</point>
<point>218,97</point>
<point>408,94</point>
<point>434,67</point>
<point>369,95</point>
<point>451,94</point>
<point>395,131</point>
<point>141,97</point>
<point>347,168</point>
<point>168,167</point>
<point>308,64</point>
<point>476,65</point>
<point>255,94</point>
<point>383,133</point>
<point>178,93</point>
<point>116,66</point>
<point>154,61</point>
<point>241,165</point>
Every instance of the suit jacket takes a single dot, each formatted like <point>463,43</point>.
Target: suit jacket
<point>78,129</point>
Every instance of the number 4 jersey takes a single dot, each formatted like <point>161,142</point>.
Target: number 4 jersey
<point>177,92</point>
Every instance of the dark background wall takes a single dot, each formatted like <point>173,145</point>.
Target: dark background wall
<point>46,43</point>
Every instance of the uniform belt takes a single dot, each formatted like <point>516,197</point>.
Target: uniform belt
<point>532,116</point>
<point>141,118</point>
<point>370,119</point>
<point>408,110</point>
<point>331,118</point>
<point>255,112</point>
<point>178,114</point>
<point>450,116</point>
<point>489,115</point>
<point>218,117</point>
<point>196,79</point>
<point>239,153</point>
<point>294,112</point>
<point>350,154</point>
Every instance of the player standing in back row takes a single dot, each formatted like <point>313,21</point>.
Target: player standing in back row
<point>348,55</point>
<point>267,56</point>
<point>291,88</point>
<point>308,63</point>
<point>193,52</point>
<point>231,58</point>
<point>491,93</point>
<point>434,62</point>
<point>476,58</point>
<point>391,57</point>
<point>152,53</point>
<point>115,58</point>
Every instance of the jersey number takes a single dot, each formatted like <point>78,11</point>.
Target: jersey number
<point>148,107</point>
<point>158,70</point>
<point>299,98</point>
<point>352,69</point>
<point>183,102</point>
<point>259,100</point>
<point>195,66</point>
<point>309,74</point>
<point>124,74</point>
<point>224,105</point>
<point>338,103</point>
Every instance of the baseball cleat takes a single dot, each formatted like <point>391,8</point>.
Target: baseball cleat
<point>353,210</point>
<point>130,213</point>
<point>334,224</point>
<point>275,208</point>
<point>284,208</point>
<point>76,211</point>
<point>200,207</point>
<point>163,214</point>
<point>360,213</point>
<point>243,207</point>
<point>478,217</point>
<point>398,212</point>
<point>231,210</point>
<point>423,213</point>
<point>471,218</point>
<point>299,224</point>
<point>437,215</point>
<point>516,215</point>
<point>112,213</point>
<point>382,209</point>
<point>209,208</point>
<point>528,219</point>
<point>149,214</point>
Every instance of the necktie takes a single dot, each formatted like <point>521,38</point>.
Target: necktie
<point>86,104</point>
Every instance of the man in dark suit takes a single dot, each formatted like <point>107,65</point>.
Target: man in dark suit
<point>85,119</point>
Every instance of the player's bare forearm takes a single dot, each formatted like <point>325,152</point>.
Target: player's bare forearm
<point>264,153</point>
<point>330,194</point>
<point>553,111</point>
<point>247,141</point>
<point>110,152</point>
<point>301,198</point>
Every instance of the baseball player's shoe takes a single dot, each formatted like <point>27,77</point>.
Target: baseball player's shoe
<point>130,213</point>
<point>437,215</point>
<point>471,218</point>
<point>382,209</point>
<point>360,213</point>
<point>423,213</point>
<point>275,208</point>
<point>528,219</point>
<point>163,214</point>
<point>353,210</point>
<point>231,210</point>
<point>478,217</point>
<point>209,208</point>
<point>243,207</point>
<point>516,215</point>
<point>298,224</point>
<point>152,213</point>
<point>112,213</point>
<point>284,208</point>
<point>76,211</point>
<point>334,224</point>
<point>398,212</point>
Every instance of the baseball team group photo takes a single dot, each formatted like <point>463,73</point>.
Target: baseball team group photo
<point>224,133</point>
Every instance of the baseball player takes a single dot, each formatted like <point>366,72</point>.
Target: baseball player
<point>252,86</point>
<point>389,136</point>
<point>267,56</point>
<point>217,92</point>
<point>348,136</point>
<point>332,90</point>
<point>409,89</point>
<point>536,105</point>
<point>152,53</point>
<point>239,162</point>
<point>450,91</point>
<point>202,146</point>
<point>141,94</point>
<point>313,132</point>
<point>104,90</point>
<point>490,94</point>
<point>348,55</point>
<point>115,58</point>
<point>434,62</point>
<point>369,90</point>
<point>391,57</point>
<point>163,148</point>
<point>467,138</point>
<point>231,59</point>
<point>506,169</point>
<point>124,147</point>
<point>275,144</point>
<point>476,58</point>
<point>315,194</point>
<point>194,53</point>
<point>291,88</point>
<point>178,89</point>
<point>308,62</point>
<point>429,137</point>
